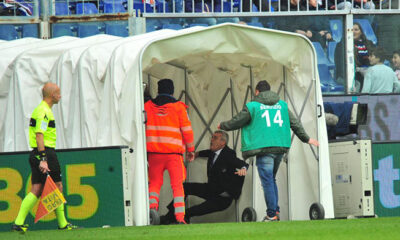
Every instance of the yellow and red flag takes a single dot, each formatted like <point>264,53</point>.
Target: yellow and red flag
<point>51,199</point>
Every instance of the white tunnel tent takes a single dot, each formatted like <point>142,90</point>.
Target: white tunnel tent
<point>214,70</point>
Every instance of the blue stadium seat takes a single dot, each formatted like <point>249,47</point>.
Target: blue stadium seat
<point>139,7</point>
<point>198,25</point>
<point>62,8</point>
<point>322,59</point>
<point>331,51</point>
<point>30,30</point>
<point>173,26</point>
<point>226,20</point>
<point>63,29</point>
<point>255,24</point>
<point>115,6</point>
<point>271,25</point>
<point>227,6</point>
<point>368,31</point>
<point>336,27</point>
<point>117,29</point>
<point>159,7</point>
<point>86,8</point>
<point>326,80</point>
<point>8,32</point>
<point>88,29</point>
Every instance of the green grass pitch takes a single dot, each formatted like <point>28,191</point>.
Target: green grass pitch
<point>367,228</point>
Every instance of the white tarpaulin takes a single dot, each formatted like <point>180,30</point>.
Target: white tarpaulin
<point>9,52</point>
<point>21,41</point>
<point>214,66</point>
<point>63,72</point>
<point>88,89</point>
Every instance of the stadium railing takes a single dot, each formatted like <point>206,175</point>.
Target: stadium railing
<point>69,7</point>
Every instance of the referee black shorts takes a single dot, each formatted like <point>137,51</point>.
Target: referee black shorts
<point>52,162</point>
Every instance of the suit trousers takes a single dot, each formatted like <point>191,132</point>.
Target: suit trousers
<point>213,201</point>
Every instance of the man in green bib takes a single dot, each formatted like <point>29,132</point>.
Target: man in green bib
<point>43,158</point>
<point>266,122</point>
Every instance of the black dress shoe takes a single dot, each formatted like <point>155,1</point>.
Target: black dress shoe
<point>167,219</point>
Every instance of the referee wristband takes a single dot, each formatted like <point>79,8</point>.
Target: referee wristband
<point>42,155</point>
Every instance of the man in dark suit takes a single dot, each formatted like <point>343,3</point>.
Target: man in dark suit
<point>225,180</point>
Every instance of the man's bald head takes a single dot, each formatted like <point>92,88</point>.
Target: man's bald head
<point>49,89</point>
<point>51,93</point>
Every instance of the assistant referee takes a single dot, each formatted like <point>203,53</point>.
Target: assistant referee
<point>43,158</point>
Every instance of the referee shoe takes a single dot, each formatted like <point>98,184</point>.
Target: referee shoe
<point>69,226</point>
<point>19,228</point>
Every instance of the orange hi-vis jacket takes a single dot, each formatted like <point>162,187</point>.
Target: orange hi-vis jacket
<point>168,128</point>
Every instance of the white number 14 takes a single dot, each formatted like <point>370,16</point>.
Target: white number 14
<point>277,118</point>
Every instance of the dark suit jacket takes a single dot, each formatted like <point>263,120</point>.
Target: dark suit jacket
<point>221,175</point>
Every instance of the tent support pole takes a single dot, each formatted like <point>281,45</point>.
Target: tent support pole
<point>232,102</point>
<point>187,203</point>
<point>301,113</point>
<point>212,118</point>
<point>248,90</point>
<point>148,81</point>
<point>286,156</point>
<point>251,83</point>
<point>186,86</point>
<point>196,109</point>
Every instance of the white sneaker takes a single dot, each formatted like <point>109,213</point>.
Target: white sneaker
<point>270,219</point>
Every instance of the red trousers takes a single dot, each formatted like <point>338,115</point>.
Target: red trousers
<point>158,163</point>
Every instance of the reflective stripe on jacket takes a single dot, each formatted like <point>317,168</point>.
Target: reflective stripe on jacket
<point>168,128</point>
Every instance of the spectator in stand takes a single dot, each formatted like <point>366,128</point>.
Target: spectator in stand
<point>315,30</point>
<point>14,8</point>
<point>204,6</point>
<point>248,4</point>
<point>379,78</point>
<point>362,47</point>
<point>365,4</point>
<point>396,63</point>
<point>301,25</point>
<point>319,26</point>
<point>341,4</point>
<point>295,5</point>
<point>393,4</point>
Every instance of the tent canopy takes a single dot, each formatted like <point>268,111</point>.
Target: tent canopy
<point>214,70</point>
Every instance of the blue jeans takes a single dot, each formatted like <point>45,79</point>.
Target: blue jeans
<point>267,166</point>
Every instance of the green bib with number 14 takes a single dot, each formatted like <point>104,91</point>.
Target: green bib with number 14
<point>269,126</point>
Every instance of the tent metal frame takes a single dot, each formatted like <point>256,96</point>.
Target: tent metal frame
<point>234,110</point>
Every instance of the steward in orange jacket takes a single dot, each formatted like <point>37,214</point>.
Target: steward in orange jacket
<point>168,132</point>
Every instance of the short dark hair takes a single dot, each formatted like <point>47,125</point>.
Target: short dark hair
<point>263,86</point>
<point>378,52</point>
<point>166,86</point>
